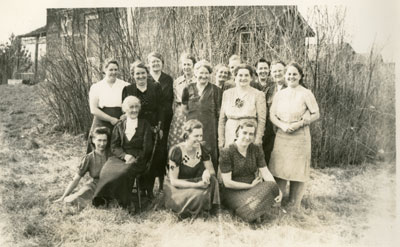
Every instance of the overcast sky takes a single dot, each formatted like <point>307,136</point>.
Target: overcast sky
<point>367,20</point>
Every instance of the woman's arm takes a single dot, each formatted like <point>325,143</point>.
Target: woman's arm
<point>261,108</point>
<point>95,111</point>
<point>222,121</point>
<point>272,115</point>
<point>116,147</point>
<point>176,182</point>
<point>229,183</point>
<point>209,166</point>
<point>71,186</point>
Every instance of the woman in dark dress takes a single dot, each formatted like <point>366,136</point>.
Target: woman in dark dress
<point>105,99</point>
<point>202,101</point>
<point>131,146</point>
<point>247,193</point>
<point>192,185</point>
<point>156,64</point>
<point>150,95</point>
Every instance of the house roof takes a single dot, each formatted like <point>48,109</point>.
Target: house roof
<point>37,32</point>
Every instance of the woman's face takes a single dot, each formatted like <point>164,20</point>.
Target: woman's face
<point>187,66</point>
<point>196,137</point>
<point>243,78</point>
<point>100,141</point>
<point>246,135</point>
<point>155,64</point>
<point>222,74</point>
<point>111,71</point>
<point>132,110</point>
<point>140,76</point>
<point>262,70</point>
<point>292,76</point>
<point>233,64</point>
<point>203,75</point>
<point>277,72</point>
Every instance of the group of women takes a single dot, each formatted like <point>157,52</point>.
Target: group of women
<point>236,141</point>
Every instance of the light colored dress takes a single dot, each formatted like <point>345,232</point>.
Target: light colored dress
<point>291,155</point>
<point>179,118</point>
<point>234,108</point>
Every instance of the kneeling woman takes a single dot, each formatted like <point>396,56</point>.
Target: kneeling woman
<point>131,146</point>
<point>245,192</point>
<point>192,185</point>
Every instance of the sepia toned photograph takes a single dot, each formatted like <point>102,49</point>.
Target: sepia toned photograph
<point>198,123</point>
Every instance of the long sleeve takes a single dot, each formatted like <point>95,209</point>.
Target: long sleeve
<point>261,109</point>
<point>217,99</point>
<point>161,103</point>
<point>222,121</point>
<point>116,142</point>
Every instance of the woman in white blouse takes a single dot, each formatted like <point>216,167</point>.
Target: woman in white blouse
<point>105,98</point>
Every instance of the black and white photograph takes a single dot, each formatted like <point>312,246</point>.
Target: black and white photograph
<point>183,123</point>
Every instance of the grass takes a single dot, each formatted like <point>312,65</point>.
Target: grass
<point>351,206</point>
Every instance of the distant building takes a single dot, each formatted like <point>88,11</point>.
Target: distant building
<point>35,43</point>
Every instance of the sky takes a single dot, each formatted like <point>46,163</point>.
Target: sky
<point>367,21</point>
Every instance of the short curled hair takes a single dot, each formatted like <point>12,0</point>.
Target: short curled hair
<point>189,56</point>
<point>156,55</point>
<point>203,63</point>
<point>262,60</point>
<point>234,57</point>
<point>100,131</point>
<point>244,66</point>
<point>189,126</point>
<point>138,64</point>
<point>130,100</point>
<point>246,123</point>
<point>220,66</point>
<point>275,62</point>
<point>109,61</point>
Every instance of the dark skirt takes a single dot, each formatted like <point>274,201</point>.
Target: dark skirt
<point>111,111</point>
<point>116,182</point>
<point>191,201</point>
<point>251,203</point>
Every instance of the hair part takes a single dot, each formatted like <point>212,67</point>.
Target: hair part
<point>109,61</point>
<point>138,64</point>
<point>203,63</point>
<point>300,70</point>
<point>100,131</point>
<point>189,126</point>
<point>156,55</point>
<point>244,66</point>
<point>130,100</point>
<point>246,123</point>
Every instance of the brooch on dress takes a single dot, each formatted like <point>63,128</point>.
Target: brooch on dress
<point>239,103</point>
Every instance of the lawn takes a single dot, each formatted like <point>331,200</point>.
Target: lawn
<point>351,206</point>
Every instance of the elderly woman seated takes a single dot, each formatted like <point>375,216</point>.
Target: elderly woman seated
<point>131,146</point>
<point>192,185</point>
<point>249,188</point>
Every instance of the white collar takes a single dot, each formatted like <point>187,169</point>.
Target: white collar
<point>131,124</point>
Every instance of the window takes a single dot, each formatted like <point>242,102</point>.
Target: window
<point>246,45</point>
<point>65,29</point>
<point>92,39</point>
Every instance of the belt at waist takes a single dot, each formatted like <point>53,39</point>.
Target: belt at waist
<point>112,111</point>
<point>240,118</point>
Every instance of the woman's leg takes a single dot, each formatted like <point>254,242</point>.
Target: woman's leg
<point>281,184</point>
<point>296,193</point>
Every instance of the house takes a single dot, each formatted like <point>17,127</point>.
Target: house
<point>210,32</point>
<point>35,43</point>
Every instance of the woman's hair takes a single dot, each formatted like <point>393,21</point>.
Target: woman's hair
<point>189,126</point>
<point>244,66</point>
<point>138,64</point>
<point>100,131</point>
<point>220,66</point>
<point>109,61</point>
<point>233,58</point>
<point>130,100</point>
<point>156,55</point>
<point>187,55</point>
<point>203,63</point>
<point>275,62</point>
<point>300,70</point>
<point>246,123</point>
